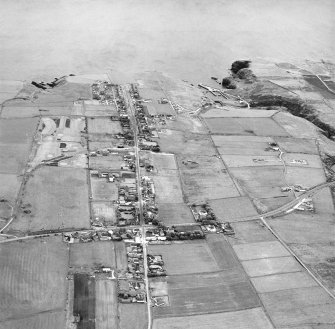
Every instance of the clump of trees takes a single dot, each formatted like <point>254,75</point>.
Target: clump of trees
<point>238,65</point>
<point>228,83</point>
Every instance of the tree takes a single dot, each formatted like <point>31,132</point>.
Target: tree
<point>238,65</point>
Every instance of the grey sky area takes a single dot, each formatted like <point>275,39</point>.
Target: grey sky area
<point>188,39</point>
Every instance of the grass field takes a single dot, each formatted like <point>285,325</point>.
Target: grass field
<point>190,257</point>
<point>236,161</point>
<point>249,232</point>
<point>295,126</point>
<point>313,161</point>
<point>202,184</point>
<point>297,145</point>
<point>230,209</point>
<point>121,257</point>
<point>186,123</point>
<point>298,308</point>
<point>33,279</point>
<point>254,318</point>
<point>100,110</point>
<point>245,126</point>
<point>175,213</point>
<point>106,305</point>
<point>233,112</point>
<point>261,182</point>
<point>9,187</point>
<point>92,255</point>
<point>49,319</point>
<point>110,162</point>
<point>133,316</point>
<point>103,126</point>
<point>58,198</point>
<point>16,137</point>
<point>103,190</point>
<point>298,175</point>
<point>168,189</point>
<point>208,293</point>
<point>105,210</point>
<point>173,141</point>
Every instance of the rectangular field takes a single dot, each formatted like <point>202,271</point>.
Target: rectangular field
<point>9,187</point>
<point>309,160</point>
<point>175,213</point>
<point>168,189</point>
<point>57,198</point>
<point>208,293</point>
<point>298,175</point>
<point>103,126</point>
<point>99,110</point>
<point>236,161</point>
<point>233,112</point>
<point>84,300</point>
<point>199,185</point>
<point>250,232</point>
<point>297,145</point>
<point>114,162</point>
<point>103,190</point>
<point>133,316</point>
<point>299,307</point>
<point>273,265</point>
<point>92,255</point>
<point>283,281</point>
<point>105,211</point>
<point>261,182</point>
<point>230,209</point>
<point>106,304</point>
<point>189,257</point>
<point>258,250</point>
<point>178,142</point>
<point>254,318</point>
<point>33,279</point>
<point>245,126</point>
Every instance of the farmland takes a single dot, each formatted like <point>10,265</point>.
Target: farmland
<point>103,126</point>
<point>102,190</point>
<point>106,313</point>
<point>254,318</point>
<point>56,197</point>
<point>168,189</point>
<point>245,126</point>
<point>33,281</point>
<point>175,213</point>
<point>92,255</point>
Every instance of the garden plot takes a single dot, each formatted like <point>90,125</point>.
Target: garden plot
<point>298,308</point>
<point>189,257</point>
<point>54,198</point>
<point>245,126</point>
<point>254,318</point>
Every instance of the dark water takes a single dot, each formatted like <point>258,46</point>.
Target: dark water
<point>188,39</point>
